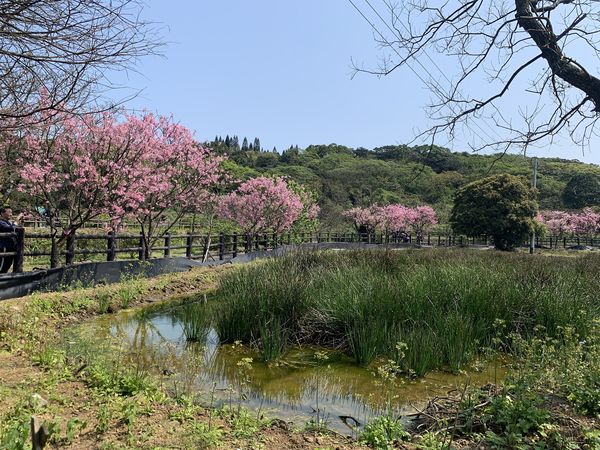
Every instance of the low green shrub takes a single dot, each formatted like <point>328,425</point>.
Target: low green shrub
<point>123,381</point>
<point>383,433</point>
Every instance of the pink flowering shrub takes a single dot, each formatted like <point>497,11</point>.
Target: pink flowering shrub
<point>267,204</point>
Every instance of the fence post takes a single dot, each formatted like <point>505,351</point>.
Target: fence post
<point>564,242</point>
<point>19,250</point>
<point>188,246</point>
<point>221,246</point>
<point>142,248</point>
<point>235,244</point>
<point>110,246</point>
<point>70,249</point>
<point>167,246</point>
<point>247,243</point>
<point>275,243</point>
<point>39,434</point>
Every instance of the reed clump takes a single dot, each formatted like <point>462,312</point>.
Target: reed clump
<point>442,304</point>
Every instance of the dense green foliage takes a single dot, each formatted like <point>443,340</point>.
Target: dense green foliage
<point>582,190</point>
<point>442,304</point>
<point>500,206</point>
<point>344,177</point>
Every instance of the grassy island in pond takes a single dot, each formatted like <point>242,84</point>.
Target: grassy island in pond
<point>446,306</point>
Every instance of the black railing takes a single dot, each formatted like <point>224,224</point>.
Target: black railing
<point>34,249</point>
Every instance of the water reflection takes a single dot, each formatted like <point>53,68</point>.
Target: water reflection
<point>180,343</point>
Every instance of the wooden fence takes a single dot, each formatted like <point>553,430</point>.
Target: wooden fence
<point>32,248</point>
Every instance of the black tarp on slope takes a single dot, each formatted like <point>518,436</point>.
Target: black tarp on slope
<point>90,274</point>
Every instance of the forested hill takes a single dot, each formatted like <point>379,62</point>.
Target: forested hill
<point>344,177</point>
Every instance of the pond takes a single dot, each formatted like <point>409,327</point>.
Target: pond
<point>180,344</point>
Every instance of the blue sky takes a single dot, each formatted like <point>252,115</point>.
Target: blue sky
<point>281,71</point>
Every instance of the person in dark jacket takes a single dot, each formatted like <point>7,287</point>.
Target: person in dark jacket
<point>7,243</point>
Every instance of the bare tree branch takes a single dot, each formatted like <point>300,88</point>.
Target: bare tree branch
<point>498,49</point>
<point>56,53</point>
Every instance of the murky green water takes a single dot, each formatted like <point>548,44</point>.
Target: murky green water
<point>179,343</point>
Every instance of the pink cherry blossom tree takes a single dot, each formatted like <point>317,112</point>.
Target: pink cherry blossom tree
<point>75,168</point>
<point>562,223</point>
<point>366,220</point>
<point>173,177</point>
<point>557,222</point>
<point>308,219</point>
<point>420,220</point>
<point>585,223</point>
<point>266,204</point>
<point>80,167</point>
<point>395,218</point>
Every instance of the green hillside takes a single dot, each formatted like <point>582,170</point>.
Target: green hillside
<point>344,177</point>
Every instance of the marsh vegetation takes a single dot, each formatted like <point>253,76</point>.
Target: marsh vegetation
<point>452,310</point>
<point>446,306</point>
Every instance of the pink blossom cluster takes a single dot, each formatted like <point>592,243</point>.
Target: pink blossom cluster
<point>559,223</point>
<point>393,218</point>
<point>267,204</point>
<point>131,166</point>
<point>369,218</point>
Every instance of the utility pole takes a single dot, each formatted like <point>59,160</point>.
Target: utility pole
<point>534,185</point>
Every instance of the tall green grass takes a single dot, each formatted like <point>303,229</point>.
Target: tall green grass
<point>195,319</point>
<point>442,304</point>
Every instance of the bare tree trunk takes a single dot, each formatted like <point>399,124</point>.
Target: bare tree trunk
<point>54,252</point>
<point>209,230</point>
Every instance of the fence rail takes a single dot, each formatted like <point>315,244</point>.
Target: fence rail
<point>34,248</point>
